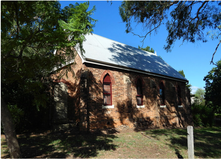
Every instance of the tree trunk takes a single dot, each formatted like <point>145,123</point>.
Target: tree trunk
<point>9,130</point>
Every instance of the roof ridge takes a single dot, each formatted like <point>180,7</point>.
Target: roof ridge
<point>124,44</point>
<point>100,50</point>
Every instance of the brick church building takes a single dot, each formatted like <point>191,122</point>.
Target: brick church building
<point>116,84</point>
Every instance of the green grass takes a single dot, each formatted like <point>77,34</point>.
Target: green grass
<point>161,143</point>
<point>207,140</point>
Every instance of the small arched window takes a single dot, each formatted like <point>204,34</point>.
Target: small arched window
<point>179,95</point>
<point>139,92</point>
<point>162,95</point>
<point>107,90</point>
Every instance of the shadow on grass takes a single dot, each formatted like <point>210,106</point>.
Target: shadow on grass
<point>177,152</point>
<point>207,141</point>
<point>4,149</point>
<point>63,144</point>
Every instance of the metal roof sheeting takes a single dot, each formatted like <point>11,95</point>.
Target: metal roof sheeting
<point>101,49</point>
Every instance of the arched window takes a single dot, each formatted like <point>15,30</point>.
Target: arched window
<point>179,95</point>
<point>107,90</point>
<point>139,93</point>
<point>162,95</point>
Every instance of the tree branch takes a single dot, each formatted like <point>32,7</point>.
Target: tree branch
<point>144,36</point>
<point>16,18</point>
<point>211,62</point>
<point>162,9</point>
<point>197,14</point>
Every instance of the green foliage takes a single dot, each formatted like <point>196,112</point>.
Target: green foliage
<point>79,23</point>
<point>26,112</point>
<point>182,73</point>
<point>218,115</point>
<point>17,113</point>
<point>185,20</point>
<point>34,33</point>
<point>213,88</point>
<point>147,49</point>
<point>199,94</point>
<point>30,33</point>
<point>202,115</point>
<point>187,85</point>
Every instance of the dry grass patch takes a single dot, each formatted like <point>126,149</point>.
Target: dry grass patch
<point>161,143</point>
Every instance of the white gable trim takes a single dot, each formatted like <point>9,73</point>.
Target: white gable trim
<point>77,48</point>
<point>62,65</point>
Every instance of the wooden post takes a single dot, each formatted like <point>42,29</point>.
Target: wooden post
<point>190,142</point>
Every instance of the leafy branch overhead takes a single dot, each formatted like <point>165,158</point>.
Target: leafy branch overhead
<point>184,20</point>
<point>35,31</point>
<point>30,34</point>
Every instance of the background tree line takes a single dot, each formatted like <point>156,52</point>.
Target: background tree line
<point>206,103</point>
<point>187,21</point>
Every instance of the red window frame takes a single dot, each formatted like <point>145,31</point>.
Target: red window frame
<point>139,91</point>
<point>107,81</point>
<point>162,94</point>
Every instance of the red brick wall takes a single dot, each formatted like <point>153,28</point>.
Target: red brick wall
<point>89,110</point>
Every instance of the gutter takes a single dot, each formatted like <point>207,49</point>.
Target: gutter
<point>106,64</point>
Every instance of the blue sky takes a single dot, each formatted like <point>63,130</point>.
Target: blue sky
<point>193,58</point>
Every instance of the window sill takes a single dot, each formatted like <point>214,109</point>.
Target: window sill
<point>180,106</point>
<point>107,106</point>
<point>163,106</point>
<point>140,106</point>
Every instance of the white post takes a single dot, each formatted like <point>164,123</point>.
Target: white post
<point>190,142</point>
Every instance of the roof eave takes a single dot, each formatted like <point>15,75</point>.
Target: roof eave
<point>106,64</point>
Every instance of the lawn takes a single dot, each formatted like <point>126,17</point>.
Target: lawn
<point>160,143</point>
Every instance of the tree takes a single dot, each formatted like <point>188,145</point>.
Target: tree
<point>9,130</point>
<point>199,94</point>
<point>213,88</point>
<point>182,73</point>
<point>187,85</point>
<point>185,20</point>
<point>147,49</point>
<point>30,32</point>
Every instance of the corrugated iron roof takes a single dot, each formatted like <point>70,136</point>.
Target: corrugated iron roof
<point>110,52</point>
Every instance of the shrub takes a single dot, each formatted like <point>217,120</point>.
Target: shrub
<point>218,115</point>
<point>16,114</point>
<point>202,115</point>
